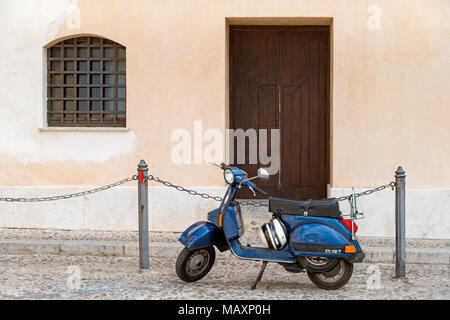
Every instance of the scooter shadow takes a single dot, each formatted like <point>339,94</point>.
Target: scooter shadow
<point>264,285</point>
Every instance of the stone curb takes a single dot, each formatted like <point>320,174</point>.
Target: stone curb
<point>172,249</point>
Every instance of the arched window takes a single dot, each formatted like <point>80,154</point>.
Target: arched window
<point>86,83</point>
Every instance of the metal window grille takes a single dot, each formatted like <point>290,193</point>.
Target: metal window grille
<point>86,83</point>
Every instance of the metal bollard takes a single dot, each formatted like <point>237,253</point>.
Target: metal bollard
<point>400,242</point>
<point>144,260</point>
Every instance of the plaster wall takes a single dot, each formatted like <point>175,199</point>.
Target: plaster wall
<point>390,99</point>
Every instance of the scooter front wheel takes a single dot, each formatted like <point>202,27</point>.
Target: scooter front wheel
<point>335,278</point>
<point>194,265</point>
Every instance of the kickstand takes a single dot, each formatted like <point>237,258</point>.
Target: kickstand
<point>259,275</point>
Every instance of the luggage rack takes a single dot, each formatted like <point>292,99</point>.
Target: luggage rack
<point>354,213</point>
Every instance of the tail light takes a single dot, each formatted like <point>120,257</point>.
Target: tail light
<point>348,224</point>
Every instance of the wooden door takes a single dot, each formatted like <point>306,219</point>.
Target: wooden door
<point>279,79</point>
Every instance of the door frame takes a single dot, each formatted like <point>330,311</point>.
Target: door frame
<point>311,24</point>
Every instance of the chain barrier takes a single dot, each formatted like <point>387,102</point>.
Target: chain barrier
<point>254,204</point>
<point>71,195</point>
<point>182,189</point>
<point>203,195</point>
<point>179,188</point>
<point>260,204</point>
<point>367,192</point>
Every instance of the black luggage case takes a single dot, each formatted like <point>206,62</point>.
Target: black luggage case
<point>325,208</point>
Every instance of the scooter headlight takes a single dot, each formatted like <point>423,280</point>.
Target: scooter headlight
<point>228,176</point>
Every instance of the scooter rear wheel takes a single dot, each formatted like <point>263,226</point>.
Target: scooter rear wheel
<point>317,264</point>
<point>335,278</point>
<point>194,265</point>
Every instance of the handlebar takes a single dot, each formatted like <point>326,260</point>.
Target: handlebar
<point>261,191</point>
<point>256,188</point>
<point>251,185</point>
<point>222,165</point>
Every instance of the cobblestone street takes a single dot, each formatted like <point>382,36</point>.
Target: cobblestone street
<point>49,277</point>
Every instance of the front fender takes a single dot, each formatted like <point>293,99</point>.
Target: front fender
<point>203,234</point>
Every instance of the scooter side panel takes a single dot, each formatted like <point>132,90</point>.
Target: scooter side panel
<point>203,234</point>
<point>323,237</point>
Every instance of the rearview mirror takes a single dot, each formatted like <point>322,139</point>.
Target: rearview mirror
<point>263,174</point>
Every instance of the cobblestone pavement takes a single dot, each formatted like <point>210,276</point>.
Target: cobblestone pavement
<point>49,277</point>
<point>249,236</point>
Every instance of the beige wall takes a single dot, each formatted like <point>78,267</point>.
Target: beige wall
<point>390,87</point>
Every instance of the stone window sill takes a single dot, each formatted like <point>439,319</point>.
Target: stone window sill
<point>83,129</point>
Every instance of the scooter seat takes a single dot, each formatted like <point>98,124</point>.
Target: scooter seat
<point>325,208</point>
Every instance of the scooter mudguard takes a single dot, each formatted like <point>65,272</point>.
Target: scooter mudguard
<point>203,234</point>
<point>323,237</point>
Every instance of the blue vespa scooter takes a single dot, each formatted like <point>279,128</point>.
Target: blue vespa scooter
<point>302,235</point>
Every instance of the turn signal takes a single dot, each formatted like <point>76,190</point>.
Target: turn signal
<point>350,249</point>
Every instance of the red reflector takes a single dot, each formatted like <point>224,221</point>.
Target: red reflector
<point>141,177</point>
<point>348,224</point>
